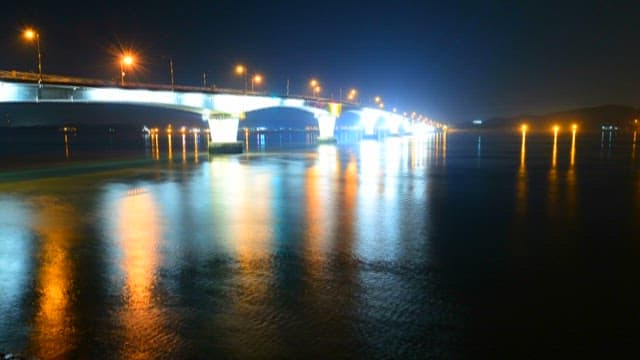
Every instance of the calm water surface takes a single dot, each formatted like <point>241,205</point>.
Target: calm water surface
<point>447,246</point>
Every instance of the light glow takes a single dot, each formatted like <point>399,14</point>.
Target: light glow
<point>224,130</point>
<point>29,34</point>
<point>326,125</point>
<point>131,96</point>
<point>335,109</point>
<point>128,59</point>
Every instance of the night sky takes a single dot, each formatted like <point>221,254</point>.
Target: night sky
<point>453,61</point>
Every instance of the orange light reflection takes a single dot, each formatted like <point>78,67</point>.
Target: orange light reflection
<point>139,233</point>
<point>54,330</point>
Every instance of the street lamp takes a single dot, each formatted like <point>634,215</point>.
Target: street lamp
<point>32,35</point>
<point>125,60</point>
<point>242,71</point>
<point>315,87</point>
<point>377,99</point>
<point>257,79</point>
<point>351,96</point>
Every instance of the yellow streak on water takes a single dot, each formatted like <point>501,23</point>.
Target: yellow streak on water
<point>54,330</point>
<point>139,234</point>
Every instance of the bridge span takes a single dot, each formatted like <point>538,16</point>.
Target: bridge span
<point>221,108</point>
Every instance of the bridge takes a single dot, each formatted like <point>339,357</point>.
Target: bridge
<point>221,108</point>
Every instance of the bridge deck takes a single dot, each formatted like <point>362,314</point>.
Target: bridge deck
<point>28,77</point>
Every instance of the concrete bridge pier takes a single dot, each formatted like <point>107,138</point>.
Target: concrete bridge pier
<point>326,125</point>
<point>393,124</point>
<point>224,134</point>
<point>369,123</point>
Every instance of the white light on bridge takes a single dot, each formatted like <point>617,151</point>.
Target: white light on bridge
<point>422,129</point>
<point>196,100</point>
<point>406,126</point>
<point>131,96</point>
<point>206,114</point>
<point>237,104</point>
<point>8,92</point>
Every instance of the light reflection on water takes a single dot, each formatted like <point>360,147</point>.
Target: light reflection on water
<point>365,248</point>
<point>54,330</point>
<point>16,262</point>
<point>138,232</point>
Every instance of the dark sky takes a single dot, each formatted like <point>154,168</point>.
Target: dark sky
<point>454,60</point>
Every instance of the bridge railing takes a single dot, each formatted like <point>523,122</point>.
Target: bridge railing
<point>52,79</point>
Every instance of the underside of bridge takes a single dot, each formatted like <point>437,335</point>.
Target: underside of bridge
<point>221,111</point>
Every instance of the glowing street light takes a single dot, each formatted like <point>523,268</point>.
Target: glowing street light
<point>32,35</point>
<point>126,60</point>
<point>257,79</point>
<point>315,87</point>
<point>524,128</point>
<point>241,70</point>
<point>377,99</point>
<point>351,96</point>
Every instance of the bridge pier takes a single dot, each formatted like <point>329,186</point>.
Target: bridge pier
<point>224,134</point>
<point>393,124</point>
<point>369,125</point>
<point>326,125</point>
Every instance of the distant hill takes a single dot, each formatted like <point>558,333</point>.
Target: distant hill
<point>588,119</point>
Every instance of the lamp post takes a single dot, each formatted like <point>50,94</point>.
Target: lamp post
<point>32,35</point>
<point>257,79</point>
<point>242,71</point>
<point>171,73</point>
<point>126,60</point>
<point>351,96</point>
<point>315,87</point>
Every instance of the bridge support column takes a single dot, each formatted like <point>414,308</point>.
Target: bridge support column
<point>327,125</point>
<point>224,134</point>
<point>393,124</point>
<point>369,125</point>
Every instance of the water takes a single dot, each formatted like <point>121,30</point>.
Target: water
<point>448,246</point>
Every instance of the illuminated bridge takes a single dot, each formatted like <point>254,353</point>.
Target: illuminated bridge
<point>221,108</point>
